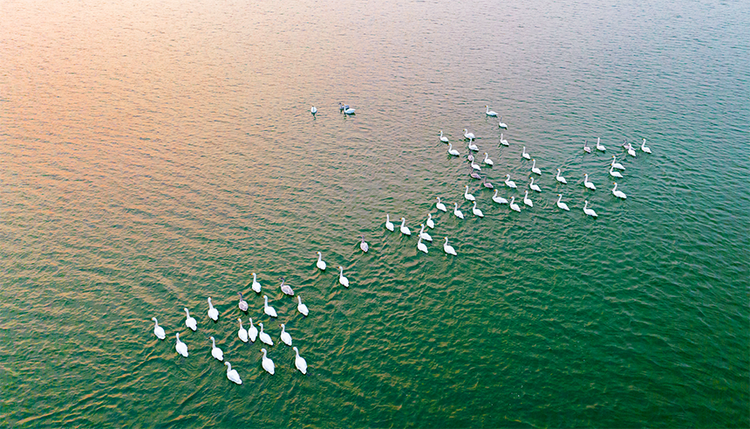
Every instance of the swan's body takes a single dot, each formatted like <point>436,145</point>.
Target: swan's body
<point>180,346</point>
<point>430,222</point>
<point>252,331</point>
<point>158,330</point>
<point>421,246</point>
<point>533,186</point>
<point>342,107</point>
<point>527,200</point>
<point>487,160</point>
<point>559,178</point>
<point>256,285</point>
<point>588,184</point>
<point>476,211</point>
<point>534,168</point>
<point>313,110</point>
<point>285,337</point>
<point>499,200</point>
<point>440,206</point>
<point>457,212</point>
<point>452,151</point>
<point>242,333</point>
<point>614,173</point>
<point>215,351</point>
<point>242,304</point>
<point>349,111</point>
<point>268,363</point>
<point>502,124</point>
<point>423,235</point>
<point>561,204</point>
<point>503,141</point>
<point>267,308</point>
<point>474,175</point>
<point>645,148</point>
<point>302,308</point>
<point>443,138</point>
<point>232,374</point>
<point>448,248</point>
<point>599,146</point>
<point>264,337</point>
<point>489,112</point>
<point>343,280</point>
<point>475,166</point>
<point>363,244</point>
<point>212,312</point>
<point>630,149</point>
<point>299,361</point>
<point>468,135</point>
<point>321,263</point>
<point>286,288</point>
<point>388,224</point>
<point>514,206</point>
<point>587,210</point>
<point>525,155</point>
<point>618,194</point>
<point>585,147</point>
<point>509,183</point>
<point>190,321</point>
<point>472,146</point>
<point>616,164</point>
<point>404,229</point>
<point>467,195</point>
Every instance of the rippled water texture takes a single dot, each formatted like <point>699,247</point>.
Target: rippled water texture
<point>153,154</point>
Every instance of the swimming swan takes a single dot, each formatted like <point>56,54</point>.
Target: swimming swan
<point>267,363</point>
<point>448,248</point>
<point>232,374</point>
<point>587,210</point>
<point>158,330</point>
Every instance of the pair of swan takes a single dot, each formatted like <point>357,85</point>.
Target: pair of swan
<point>457,212</point>
<point>618,194</point>
<point>527,200</point>
<point>452,151</point>
<point>534,168</point>
<point>487,160</point>
<point>363,244</point>
<point>503,141</point>
<point>285,288</point>
<point>525,155</point>
<point>487,184</point>
<point>467,195</point>
<point>321,263</point>
<point>213,313</point>
<point>533,186</point>
<point>247,334</point>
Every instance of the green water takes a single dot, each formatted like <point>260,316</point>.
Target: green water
<point>155,154</point>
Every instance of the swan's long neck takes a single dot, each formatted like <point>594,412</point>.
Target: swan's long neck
<point>532,180</point>
<point>446,240</point>
<point>403,222</point>
<point>177,335</point>
<point>585,204</point>
<point>299,299</point>
<point>533,163</point>
<point>213,341</point>
<point>615,188</point>
<point>559,198</point>
<point>495,193</point>
<point>229,366</point>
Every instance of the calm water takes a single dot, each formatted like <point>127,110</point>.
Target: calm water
<point>153,154</point>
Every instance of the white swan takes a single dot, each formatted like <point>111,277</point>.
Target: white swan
<point>599,146</point>
<point>215,351</point>
<point>363,244</point>
<point>487,160</point>
<point>631,151</point>
<point>299,361</point>
<point>448,248</point>
<point>443,138</point>
<point>232,374</point>
<point>452,151</point>
<point>509,183</point>
<point>349,111</point>
<point>503,141</point>
<point>645,148</point>
<point>242,333</point>
<point>616,164</point>
<point>404,229</point>
<point>618,194</point>
<point>421,246</point>
<point>561,204</point>
<point>489,112</point>
<point>440,206</point>
<point>525,155</point>
<point>321,263</point>
<point>180,346</point>
<point>264,337</point>
<point>502,124</point>
<point>256,285</point>
<point>190,321</point>
<point>468,135</point>
<point>527,200</point>
<point>313,110</point>
<point>388,224</point>
<point>475,166</point>
<point>302,308</point>
<point>586,148</point>
<point>588,184</point>
<point>514,206</point>
<point>457,212</point>
<point>559,178</point>
<point>587,210</point>
<point>285,337</point>
<point>423,235</point>
<point>252,331</point>
<point>242,304</point>
<point>472,146</point>
<point>499,200</point>
<point>467,195</point>
<point>212,312</point>
<point>614,173</point>
<point>343,280</point>
<point>158,330</point>
<point>533,186</point>
<point>267,363</point>
<point>430,222</point>
<point>534,169</point>
<point>476,211</point>
<point>267,308</point>
<point>285,287</point>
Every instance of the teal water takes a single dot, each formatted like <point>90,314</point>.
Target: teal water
<point>155,154</point>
